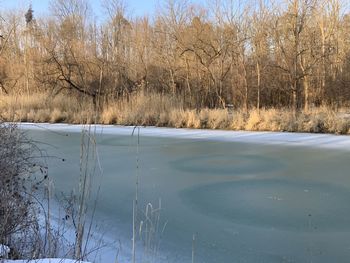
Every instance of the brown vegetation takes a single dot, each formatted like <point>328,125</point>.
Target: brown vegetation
<point>157,110</point>
<point>19,214</point>
<point>277,65</point>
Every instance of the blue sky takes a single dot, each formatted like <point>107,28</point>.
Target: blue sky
<point>135,7</point>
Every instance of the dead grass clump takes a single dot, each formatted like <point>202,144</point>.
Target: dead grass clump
<point>141,109</point>
<point>109,115</point>
<point>277,120</point>
<point>204,117</point>
<point>86,116</point>
<point>192,119</point>
<point>264,120</point>
<point>254,121</point>
<point>43,115</point>
<point>128,118</point>
<point>177,118</point>
<point>310,123</point>
<point>238,120</point>
<point>67,103</point>
<point>271,120</point>
<point>31,116</point>
<point>149,118</point>
<point>24,102</point>
<point>343,126</point>
<point>7,115</point>
<point>218,119</point>
<point>42,107</point>
<point>40,115</point>
<point>20,115</point>
<point>323,120</point>
<point>287,121</point>
<point>163,120</point>
<point>58,116</point>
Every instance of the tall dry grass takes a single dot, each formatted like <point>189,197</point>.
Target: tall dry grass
<point>163,110</point>
<point>42,107</point>
<point>140,109</point>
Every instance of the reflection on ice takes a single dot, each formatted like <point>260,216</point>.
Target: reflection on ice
<point>274,203</point>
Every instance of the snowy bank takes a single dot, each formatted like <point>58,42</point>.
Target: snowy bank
<point>4,251</point>
<point>45,260</point>
<point>328,141</point>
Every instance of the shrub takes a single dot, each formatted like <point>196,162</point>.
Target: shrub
<point>16,167</point>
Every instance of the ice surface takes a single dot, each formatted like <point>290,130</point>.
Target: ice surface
<point>329,141</point>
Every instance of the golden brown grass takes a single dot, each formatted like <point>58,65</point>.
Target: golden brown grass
<point>153,109</point>
<point>161,110</point>
<point>44,108</point>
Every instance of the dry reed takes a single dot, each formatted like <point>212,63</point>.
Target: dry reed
<point>163,110</point>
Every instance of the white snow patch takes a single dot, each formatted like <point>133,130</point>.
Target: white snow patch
<point>328,141</point>
<point>4,251</point>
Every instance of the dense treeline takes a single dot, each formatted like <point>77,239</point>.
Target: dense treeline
<point>287,53</point>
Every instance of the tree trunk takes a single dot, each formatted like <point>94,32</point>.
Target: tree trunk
<point>245,85</point>
<point>295,98</point>
<point>306,93</point>
<point>258,84</point>
<point>305,84</point>
<point>323,70</point>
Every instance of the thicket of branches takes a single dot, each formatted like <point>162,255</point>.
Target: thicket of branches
<point>17,213</point>
<point>261,53</point>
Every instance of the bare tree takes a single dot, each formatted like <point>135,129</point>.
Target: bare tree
<point>289,33</point>
<point>260,53</point>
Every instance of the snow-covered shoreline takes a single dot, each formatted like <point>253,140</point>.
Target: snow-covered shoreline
<point>328,141</point>
<point>45,260</point>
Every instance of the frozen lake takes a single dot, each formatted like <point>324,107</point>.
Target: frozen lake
<point>277,198</point>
